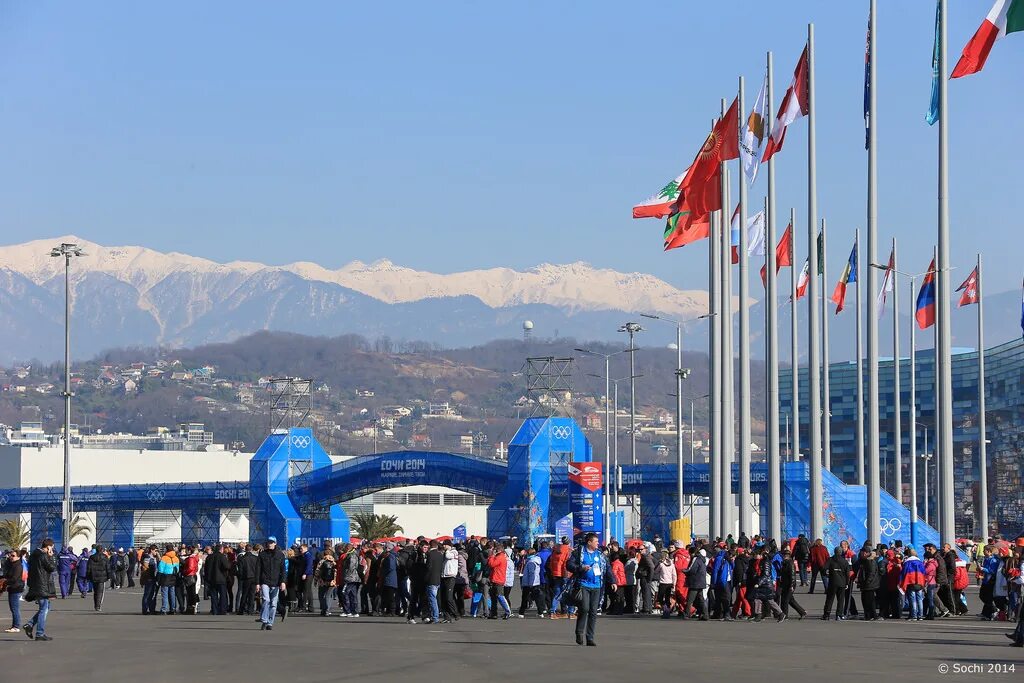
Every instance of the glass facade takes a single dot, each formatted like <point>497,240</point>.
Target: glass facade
<point>1004,380</point>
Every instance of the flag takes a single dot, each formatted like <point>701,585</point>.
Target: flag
<point>805,279</point>
<point>821,252</point>
<point>933,107</point>
<point>701,186</point>
<point>795,104</point>
<point>925,309</point>
<point>886,284</point>
<point>969,289</point>
<point>680,230</point>
<point>660,204</point>
<point>867,87</point>
<point>753,134</point>
<point>849,275</point>
<point>755,235</point>
<point>1006,16</point>
<point>783,254</point>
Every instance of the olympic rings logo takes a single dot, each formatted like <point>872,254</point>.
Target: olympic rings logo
<point>561,432</point>
<point>3,501</point>
<point>156,495</point>
<point>890,526</point>
<point>301,441</point>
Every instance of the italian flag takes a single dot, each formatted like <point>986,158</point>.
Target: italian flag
<point>1006,16</point>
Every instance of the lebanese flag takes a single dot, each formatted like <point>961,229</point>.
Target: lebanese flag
<point>783,254</point>
<point>925,309</point>
<point>660,205</point>
<point>805,279</point>
<point>795,103</point>
<point>969,289</point>
<point>1006,16</point>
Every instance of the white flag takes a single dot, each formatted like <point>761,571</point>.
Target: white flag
<point>753,135</point>
<point>755,234</point>
<point>886,286</point>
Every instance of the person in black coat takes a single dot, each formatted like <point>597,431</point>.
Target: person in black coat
<point>270,580</point>
<point>15,585</point>
<point>787,586</point>
<point>696,582</point>
<point>868,581</point>
<point>802,555</point>
<point>215,573</point>
<point>98,572</point>
<point>740,567</point>
<point>837,569</point>
<point>41,568</point>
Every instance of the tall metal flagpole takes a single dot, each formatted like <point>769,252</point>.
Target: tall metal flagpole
<point>772,312</point>
<point>608,474</point>
<point>813,369</point>
<point>936,444</point>
<point>912,417</point>
<point>744,397</point>
<point>826,392</point>
<point>679,419</point>
<point>874,494</point>
<point>945,378</point>
<point>728,361</point>
<point>859,441</point>
<point>982,448</point>
<point>714,360</point>
<point>794,356</point>
<point>897,438</point>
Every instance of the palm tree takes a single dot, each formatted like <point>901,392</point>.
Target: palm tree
<point>369,526</point>
<point>14,533</point>
<point>79,526</point>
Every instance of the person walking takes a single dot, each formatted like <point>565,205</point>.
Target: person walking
<point>270,579</point>
<point>189,580</point>
<point>449,575</point>
<point>306,559</point>
<point>40,588</point>
<point>696,584</point>
<point>912,581</point>
<point>432,583</point>
<point>764,591</point>
<point>590,569</point>
<point>665,575</point>
<point>82,573</point>
<point>133,565</point>
<point>868,581</point>
<point>351,563</point>
<point>787,586</point>
<point>148,579</point>
<point>98,573</point>
<point>215,573</point>
<point>556,573</point>
<point>836,573</point>
<point>13,578</point>
<point>802,554</point>
<point>819,558</point>
<point>721,579</point>
<point>66,562</point>
<point>324,575</point>
<point>167,570</point>
<point>119,569</point>
<point>741,607</point>
<point>245,568</point>
<point>497,569</point>
<point>530,585</point>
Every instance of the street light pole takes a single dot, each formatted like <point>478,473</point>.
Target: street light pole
<point>67,252</point>
<point>631,329</point>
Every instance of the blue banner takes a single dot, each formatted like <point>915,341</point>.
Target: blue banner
<point>563,528</point>
<point>459,533</point>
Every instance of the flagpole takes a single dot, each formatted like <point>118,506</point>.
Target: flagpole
<point>944,373</point>
<point>897,425</point>
<point>794,451</point>
<point>728,360</point>
<point>912,417</point>
<point>771,309</point>
<point>937,443</point>
<point>860,367</point>
<point>714,411</point>
<point>982,433</point>
<point>813,369</point>
<point>874,526</point>
<point>826,414</point>
<point>744,397</point>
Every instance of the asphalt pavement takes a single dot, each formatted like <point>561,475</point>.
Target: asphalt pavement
<point>120,644</point>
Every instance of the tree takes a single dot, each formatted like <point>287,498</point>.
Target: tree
<point>369,526</point>
<point>14,533</point>
<point>78,527</point>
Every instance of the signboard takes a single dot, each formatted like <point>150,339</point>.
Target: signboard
<point>586,498</point>
<point>563,528</point>
<point>459,533</point>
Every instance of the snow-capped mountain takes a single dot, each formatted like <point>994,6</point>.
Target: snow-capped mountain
<point>137,296</point>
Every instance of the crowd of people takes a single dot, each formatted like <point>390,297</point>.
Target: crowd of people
<point>442,581</point>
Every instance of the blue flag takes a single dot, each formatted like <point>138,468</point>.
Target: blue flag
<point>933,108</point>
<point>459,534</point>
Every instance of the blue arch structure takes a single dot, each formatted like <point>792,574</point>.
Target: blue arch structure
<point>294,492</point>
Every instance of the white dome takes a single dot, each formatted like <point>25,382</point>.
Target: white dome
<point>528,325</point>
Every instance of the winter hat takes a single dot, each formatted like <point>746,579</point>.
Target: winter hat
<point>703,553</point>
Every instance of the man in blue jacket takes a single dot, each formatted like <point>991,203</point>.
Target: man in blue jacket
<point>306,589</point>
<point>65,569</point>
<point>590,569</point>
<point>390,604</point>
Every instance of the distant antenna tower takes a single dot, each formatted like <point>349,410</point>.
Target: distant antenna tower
<point>291,399</point>
<point>549,385</point>
<point>527,330</point>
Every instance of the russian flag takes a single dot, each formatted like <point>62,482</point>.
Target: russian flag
<point>925,313</point>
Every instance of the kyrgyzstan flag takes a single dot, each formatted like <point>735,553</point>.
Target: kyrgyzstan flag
<point>969,289</point>
<point>783,254</point>
<point>925,309</point>
<point>701,187</point>
<point>795,103</point>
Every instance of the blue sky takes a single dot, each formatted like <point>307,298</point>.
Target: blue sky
<point>458,135</point>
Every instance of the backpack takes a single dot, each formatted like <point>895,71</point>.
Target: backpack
<point>961,580</point>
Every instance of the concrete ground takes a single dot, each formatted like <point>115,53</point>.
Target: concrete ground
<point>122,645</point>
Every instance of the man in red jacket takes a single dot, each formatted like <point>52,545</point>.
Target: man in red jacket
<point>819,558</point>
<point>681,559</point>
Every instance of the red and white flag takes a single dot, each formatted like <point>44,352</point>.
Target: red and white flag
<point>969,289</point>
<point>795,104</point>
<point>805,279</point>
<point>1006,16</point>
<point>886,285</point>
